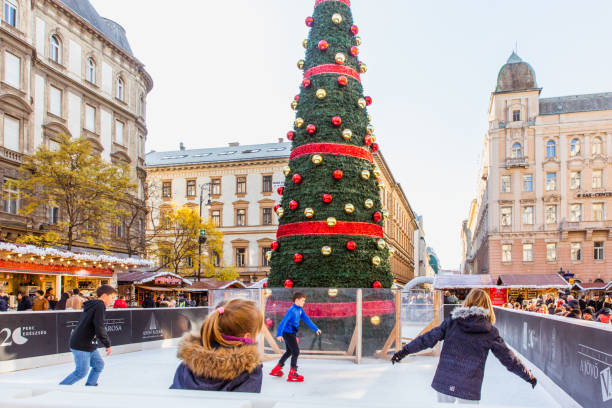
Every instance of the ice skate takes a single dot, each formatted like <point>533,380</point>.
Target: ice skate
<point>277,371</point>
<point>294,376</point>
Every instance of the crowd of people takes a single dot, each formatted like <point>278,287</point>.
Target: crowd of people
<point>593,308</point>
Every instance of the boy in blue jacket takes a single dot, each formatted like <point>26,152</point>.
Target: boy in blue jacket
<point>287,331</point>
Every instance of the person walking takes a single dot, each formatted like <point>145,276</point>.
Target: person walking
<point>83,339</point>
<point>148,303</point>
<point>469,335</point>
<point>40,303</point>
<point>287,331</point>
<point>24,302</point>
<point>120,303</point>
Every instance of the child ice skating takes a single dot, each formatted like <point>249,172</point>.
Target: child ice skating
<point>287,331</point>
<point>468,336</point>
<point>224,356</point>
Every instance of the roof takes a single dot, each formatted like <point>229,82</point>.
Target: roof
<point>590,286</point>
<point>533,281</point>
<point>463,281</point>
<point>515,75</point>
<point>259,284</point>
<point>216,284</point>
<point>113,31</point>
<point>144,277</point>
<point>219,154</point>
<point>576,103</point>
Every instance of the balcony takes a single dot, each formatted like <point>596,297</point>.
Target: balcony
<point>517,162</point>
<point>11,155</point>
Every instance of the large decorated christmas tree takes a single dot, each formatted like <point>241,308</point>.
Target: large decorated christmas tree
<point>330,218</point>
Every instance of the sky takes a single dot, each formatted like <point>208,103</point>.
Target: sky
<point>225,71</point>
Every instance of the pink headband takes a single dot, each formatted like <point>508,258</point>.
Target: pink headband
<point>243,340</point>
<point>220,310</point>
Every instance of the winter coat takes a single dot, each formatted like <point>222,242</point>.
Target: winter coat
<point>24,304</point>
<point>574,314</point>
<point>224,369</point>
<point>291,321</point>
<point>90,327</point>
<point>148,303</point>
<point>468,336</point>
<point>40,304</point>
<point>4,303</point>
<point>75,302</point>
<point>120,304</point>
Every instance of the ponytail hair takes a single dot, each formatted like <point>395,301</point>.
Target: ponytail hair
<point>234,318</point>
<point>480,298</point>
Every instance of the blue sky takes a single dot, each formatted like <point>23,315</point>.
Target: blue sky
<point>225,71</point>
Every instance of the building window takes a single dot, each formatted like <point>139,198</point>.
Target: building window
<point>575,147</point>
<point>120,91</point>
<point>598,251</point>
<point>53,215</point>
<point>506,216</point>
<point>551,149</point>
<point>597,146</point>
<point>551,251</point>
<point>527,252</point>
<point>507,253</point>
<point>575,180</point>
<point>241,257</point>
<point>506,184</point>
<point>216,259</point>
<point>118,231</point>
<point>191,188</point>
<point>215,188</point>
<point>598,212</point>
<point>575,212</point>
<point>164,218</point>
<point>551,181</point>
<point>10,202</point>
<point>12,70</point>
<point>215,215</point>
<point>91,71</point>
<point>189,261</point>
<point>517,151</point>
<point>528,183</point>
<point>119,136</point>
<point>576,251</point>
<point>11,133</point>
<point>241,217</point>
<point>597,178</point>
<point>10,13</point>
<point>55,101</point>
<point>528,215</point>
<point>516,115</point>
<point>267,216</point>
<point>167,189</point>
<point>551,214</point>
<point>90,118</point>
<point>142,105</point>
<point>264,259</point>
<point>267,184</point>
<point>56,49</point>
<point>241,185</point>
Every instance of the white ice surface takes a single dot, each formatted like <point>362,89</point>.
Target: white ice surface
<point>146,375</point>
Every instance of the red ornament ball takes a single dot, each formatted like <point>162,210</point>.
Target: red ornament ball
<point>351,245</point>
<point>377,285</point>
<point>354,30</point>
<point>338,174</point>
<point>342,80</point>
<point>298,257</point>
<point>296,98</point>
<point>288,283</point>
<point>306,82</point>
<point>375,147</point>
<point>280,190</point>
<point>336,121</point>
<point>327,198</point>
<point>269,321</point>
<point>311,129</point>
<point>276,207</point>
<point>309,21</point>
<point>377,216</point>
<point>265,285</point>
<point>290,135</point>
<point>368,100</point>
<point>297,179</point>
<point>354,51</point>
<point>293,204</point>
<point>367,140</point>
<point>274,245</point>
<point>323,45</point>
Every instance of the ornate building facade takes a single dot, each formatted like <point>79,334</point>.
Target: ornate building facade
<point>64,68</point>
<point>545,184</point>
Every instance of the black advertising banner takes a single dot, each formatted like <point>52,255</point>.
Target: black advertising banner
<point>151,325</point>
<point>66,323</point>
<point>576,355</point>
<point>118,326</point>
<point>27,335</point>
<point>187,320</point>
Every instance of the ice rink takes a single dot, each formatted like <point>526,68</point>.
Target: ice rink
<point>144,377</point>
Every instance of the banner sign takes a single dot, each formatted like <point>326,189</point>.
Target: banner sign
<point>27,335</point>
<point>499,296</point>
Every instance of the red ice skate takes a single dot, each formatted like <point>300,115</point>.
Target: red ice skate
<point>294,376</point>
<point>277,371</point>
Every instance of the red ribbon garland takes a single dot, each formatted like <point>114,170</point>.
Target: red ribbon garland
<point>332,148</point>
<point>334,310</point>
<point>332,69</point>
<point>347,2</point>
<point>362,229</point>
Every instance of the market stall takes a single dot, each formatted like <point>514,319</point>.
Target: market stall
<point>137,285</point>
<point>460,285</point>
<point>530,286</point>
<point>595,288</point>
<point>199,291</point>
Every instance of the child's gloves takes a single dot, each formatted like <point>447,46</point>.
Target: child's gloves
<point>397,357</point>
<point>533,382</point>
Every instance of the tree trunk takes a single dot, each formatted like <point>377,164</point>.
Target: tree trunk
<point>69,238</point>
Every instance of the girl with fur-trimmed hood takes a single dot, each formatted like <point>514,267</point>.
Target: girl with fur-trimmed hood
<point>468,336</point>
<point>224,357</point>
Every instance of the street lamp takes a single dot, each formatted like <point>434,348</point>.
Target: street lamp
<point>202,235</point>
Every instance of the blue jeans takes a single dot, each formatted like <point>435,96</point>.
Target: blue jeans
<point>84,360</point>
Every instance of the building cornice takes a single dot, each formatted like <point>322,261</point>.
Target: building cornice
<point>216,165</point>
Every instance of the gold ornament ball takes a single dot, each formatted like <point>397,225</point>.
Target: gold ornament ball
<point>391,251</point>
<point>332,292</point>
<point>340,58</point>
<point>316,159</point>
<point>269,255</point>
<point>347,134</point>
<point>363,68</point>
<point>375,320</point>
<point>370,129</point>
<point>326,250</point>
<point>268,292</point>
<point>381,243</point>
<point>368,204</point>
<point>385,214</point>
<point>321,93</point>
<point>337,18</point>
<point>349,208</point>
<point>365,174</point>
<point>377,172</point>
<point>381,186</point>
<point>286,170</point>
<point>376,260</point>
<point>305,43</point>
<point>370,118</point>
<point>294,105</point>
<point>280,212</point>
<point>362,103</point>
<point>358,41</point>
<point>299,122</point>
<point>331,222</point>
<point>308,213</point>
<point>300,64</point>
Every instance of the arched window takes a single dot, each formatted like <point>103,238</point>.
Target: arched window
<point>142,105</point>
<point>575,147</point>
<point>597,145</point>
<point>517,151</point>
<point>551,149</point>
<point>120,89</point>
<point>56,49</point>
<point>91,70</point>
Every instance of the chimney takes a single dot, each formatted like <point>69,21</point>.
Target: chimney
<point>182,146</point>
<point>234,144</point>
<point>281,140</point>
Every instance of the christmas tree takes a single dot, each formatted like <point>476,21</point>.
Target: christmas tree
<point>330,218</point>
